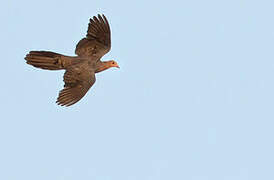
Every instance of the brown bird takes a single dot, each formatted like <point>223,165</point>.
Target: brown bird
<point>80,70</point>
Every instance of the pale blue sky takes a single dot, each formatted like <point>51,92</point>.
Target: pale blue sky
<point>193,99</point>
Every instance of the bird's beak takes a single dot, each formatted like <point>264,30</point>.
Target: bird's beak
<point>118,66</point>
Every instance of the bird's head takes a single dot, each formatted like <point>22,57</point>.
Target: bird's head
<point>106,65</point>
<point>113,63</point>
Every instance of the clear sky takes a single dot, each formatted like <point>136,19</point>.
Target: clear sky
<point>193,99</point>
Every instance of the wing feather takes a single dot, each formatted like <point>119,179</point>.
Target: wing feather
<point>98,39</point>
<point>77,83</point>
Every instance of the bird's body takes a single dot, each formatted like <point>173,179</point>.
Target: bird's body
<point>80,69</point>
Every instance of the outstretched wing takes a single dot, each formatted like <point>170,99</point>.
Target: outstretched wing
<point>97,42</point>
<point>78,81</point>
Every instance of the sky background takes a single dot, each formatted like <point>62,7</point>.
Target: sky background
<point>193,99</point>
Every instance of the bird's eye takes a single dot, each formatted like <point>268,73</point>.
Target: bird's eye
<point>113,62</point>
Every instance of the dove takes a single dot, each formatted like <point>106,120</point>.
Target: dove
<point>80,70</point>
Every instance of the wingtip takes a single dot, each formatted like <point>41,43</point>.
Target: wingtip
<point>101,15</point>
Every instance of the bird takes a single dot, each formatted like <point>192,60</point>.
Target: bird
<point>80,70</point>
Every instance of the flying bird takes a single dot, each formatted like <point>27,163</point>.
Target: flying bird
<point>80,70</point>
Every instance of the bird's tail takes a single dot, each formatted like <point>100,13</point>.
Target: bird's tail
<point>46,60</point>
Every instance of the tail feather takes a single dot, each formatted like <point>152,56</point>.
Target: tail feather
<point>45,60</point>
